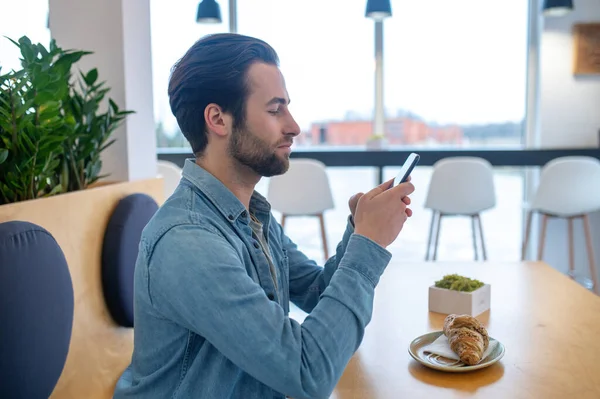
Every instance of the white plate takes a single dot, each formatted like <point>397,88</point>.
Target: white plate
<point>449,365</point>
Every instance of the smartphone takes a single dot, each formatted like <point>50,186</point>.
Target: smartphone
<point>409,165</point>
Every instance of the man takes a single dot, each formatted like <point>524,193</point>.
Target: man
<point>216,272</point>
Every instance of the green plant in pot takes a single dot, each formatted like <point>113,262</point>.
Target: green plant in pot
<point>51,131</point>
<point>32,129</point>
<point>457,282</point>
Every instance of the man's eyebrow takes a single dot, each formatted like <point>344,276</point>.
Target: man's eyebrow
<point>278,100</point>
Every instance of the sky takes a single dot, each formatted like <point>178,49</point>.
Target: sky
<point>459,61</point>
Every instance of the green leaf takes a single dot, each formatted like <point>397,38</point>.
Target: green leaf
<point>5,114</point>
<point>53,47</point>
<point>113,105</point>
<point>14,42</point>
<point>3,154</point>
<point>65,61</point>
<point>44,97</point>
<point>7,191</point>
<point>5,125</point>
<point>91,77</point>
<point>27,50</point>
<point>49,106</point>
<point>27,140</point>
<point>56,190</point>
<point>42,50</point>
<point>105,146</point>
<point>25,41</point>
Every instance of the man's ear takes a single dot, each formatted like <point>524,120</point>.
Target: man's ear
<point>217,121</point>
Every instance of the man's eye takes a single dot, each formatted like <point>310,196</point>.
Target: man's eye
<point>274,111</point>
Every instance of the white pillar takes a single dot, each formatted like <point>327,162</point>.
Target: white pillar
<point>532,135</point>
<point>532,115</point>
<point>379,117</point>
<point>233,16</point>
<point>118,32</point>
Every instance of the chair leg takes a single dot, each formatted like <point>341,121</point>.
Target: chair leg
<point>571,249</point>
<point>283,216</point>
<point>590,253</point>
<point>430,237</point>
<point>527,233</point>
<point>483,252</point>
<point>542,237</point>
<point>437,235</point>
<point>323,236</point>
<point>474,233</point>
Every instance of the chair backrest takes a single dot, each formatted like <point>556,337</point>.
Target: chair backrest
<point>461,186</point>
<point>36,311</point>
<point>171,175</point>
<point>303,190</point>
<point>120,252</point>
<point>569,186</point>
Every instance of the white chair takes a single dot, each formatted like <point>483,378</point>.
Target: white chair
<point>460,186</point>
<point>171,175</point>
<point>303,190</point>
<point>569,188</point>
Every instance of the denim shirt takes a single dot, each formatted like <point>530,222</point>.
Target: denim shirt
<point>209,322</point>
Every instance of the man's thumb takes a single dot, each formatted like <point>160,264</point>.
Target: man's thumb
<point>354,200</point>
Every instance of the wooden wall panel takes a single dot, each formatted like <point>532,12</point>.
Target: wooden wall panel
<point>99,349</point>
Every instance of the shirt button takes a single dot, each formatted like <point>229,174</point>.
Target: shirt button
<point>244,214</point>
<point>256,245</point>
<point>271,297</point>
<point>230,217</point>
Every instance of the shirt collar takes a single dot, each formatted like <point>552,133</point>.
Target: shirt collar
<point>221,197</point>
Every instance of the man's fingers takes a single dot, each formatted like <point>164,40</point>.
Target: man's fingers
<point>403,189</point>
<point>353,201</point>
<point>380,188</point>
<point>409,212</point>
<point>356,197</point>
<point>406,200</point>
<point>385,185</point>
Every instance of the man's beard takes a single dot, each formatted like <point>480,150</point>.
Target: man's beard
<point>256,154</point>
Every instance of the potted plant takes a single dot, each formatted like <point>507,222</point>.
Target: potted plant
<point>456,294</point>
<point>51,130</point>
<point>376,142</point>
<point>54,126</point>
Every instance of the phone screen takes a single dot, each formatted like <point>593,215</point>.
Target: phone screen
<point>407,168</point>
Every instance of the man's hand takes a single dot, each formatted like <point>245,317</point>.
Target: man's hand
<point>380,214</point>
<point>353,202</point>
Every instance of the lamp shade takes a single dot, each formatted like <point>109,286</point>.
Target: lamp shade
<point>557,7</point>
<point>209,12</point>
<point>378,9</point>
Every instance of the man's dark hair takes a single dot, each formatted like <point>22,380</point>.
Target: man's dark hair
<point>214,70</point>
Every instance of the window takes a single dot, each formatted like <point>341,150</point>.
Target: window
<point>454,75</point>
<point>23,18</point>
<point>174,30</point>
<point>459,69</point>
<point>325,48</point>
<point>326,53</point>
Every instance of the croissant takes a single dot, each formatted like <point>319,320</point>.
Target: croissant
<point>467,337</point>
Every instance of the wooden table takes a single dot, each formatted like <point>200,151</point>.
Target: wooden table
<point>549,325</point>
